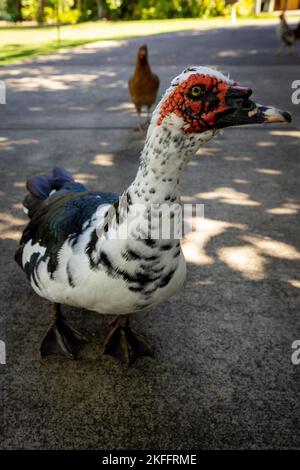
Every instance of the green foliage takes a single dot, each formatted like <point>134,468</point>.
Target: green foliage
<point>245,8</point>
<point>13,10</point>
<point>165,9</point>
<point>29,9</point>
<point>73,11</point>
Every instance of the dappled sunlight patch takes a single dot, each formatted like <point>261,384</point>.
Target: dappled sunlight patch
<point>229,196</point>
<point>121,107</point>
<point>294,283</point>
<point>84,177</point>
<point>187,199</point>
<point>194,243</point>
<point>237,159</point>
<point>244,259</point>
<point>18,205</point>
<point>286,133</point>
<point>19,184</point>
<point>78,108</point>
<point>268,171</point>
<point>11,234</point>
<point>117,84</point>
<point>35,109</point>
<point>201,283</point>
<point>273,248</point>
<point>288,208</point>
<point>240,181</point>
<point>102,45</point>
<point>51,82</point>
<point>265,144</point>
<point>8,224</point>
<point>193,252</point>
<point>103,159</point>
<point>236,52</point>
<point>8,144</point>
<point>208,151</point>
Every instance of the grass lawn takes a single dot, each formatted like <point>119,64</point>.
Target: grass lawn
<point>22,42</point>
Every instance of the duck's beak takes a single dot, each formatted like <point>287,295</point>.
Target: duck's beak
<point>241,110</point>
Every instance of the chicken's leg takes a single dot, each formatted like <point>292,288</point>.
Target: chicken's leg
<point>61,338</point>
<point>148,115</point>
<point>125,345</point>
<point>140,126</point>
<point>139,117</point>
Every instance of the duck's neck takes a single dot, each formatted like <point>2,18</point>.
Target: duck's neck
<point>165,154</point>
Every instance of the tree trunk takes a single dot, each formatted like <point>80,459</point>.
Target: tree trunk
<point>40,12</point>
<point>100,9</point>
<point>19,10</point>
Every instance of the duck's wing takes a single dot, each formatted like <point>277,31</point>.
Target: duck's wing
<point>59,218</point>
<point>64,215</point>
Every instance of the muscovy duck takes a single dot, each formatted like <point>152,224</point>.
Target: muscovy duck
<point>72,251</point>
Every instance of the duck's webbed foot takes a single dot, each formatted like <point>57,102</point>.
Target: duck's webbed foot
<point>61,338</point>
<point>125,345</point>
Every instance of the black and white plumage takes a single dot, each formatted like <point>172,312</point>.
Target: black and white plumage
<point>72,251</point>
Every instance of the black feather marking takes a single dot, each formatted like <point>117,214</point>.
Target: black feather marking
<point>19,256</point>
<point>59,218</point>
<point>137,281</point>
<point>91,246</point>
<point>30,267</point>
<point>130,255</point>
<point>149,242</point>
<point>70,277</point>
<point>166,247</point>
<point>166,279</point>
<point>136,288</point>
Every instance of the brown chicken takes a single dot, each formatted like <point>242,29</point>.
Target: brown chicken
<point>143,85</point>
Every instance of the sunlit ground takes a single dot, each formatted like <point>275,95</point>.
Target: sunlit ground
<point>18,43</point>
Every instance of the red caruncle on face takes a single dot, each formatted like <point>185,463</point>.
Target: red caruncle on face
<point>199,114</point>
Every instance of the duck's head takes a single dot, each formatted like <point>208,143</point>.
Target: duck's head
<point>201,101</point>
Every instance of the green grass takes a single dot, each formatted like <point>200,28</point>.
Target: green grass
<point>22,42</point>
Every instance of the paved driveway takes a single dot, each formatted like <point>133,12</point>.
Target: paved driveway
<point>222,375</point>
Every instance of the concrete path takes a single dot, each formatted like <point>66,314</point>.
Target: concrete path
<point>222,375</point>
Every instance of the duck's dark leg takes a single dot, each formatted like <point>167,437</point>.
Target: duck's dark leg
<point>125,345</point>
<point>61,338</point>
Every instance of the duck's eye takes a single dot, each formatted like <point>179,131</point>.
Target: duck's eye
<point>196,92</point>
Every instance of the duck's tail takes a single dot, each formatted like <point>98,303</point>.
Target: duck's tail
<point>41,187</point>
